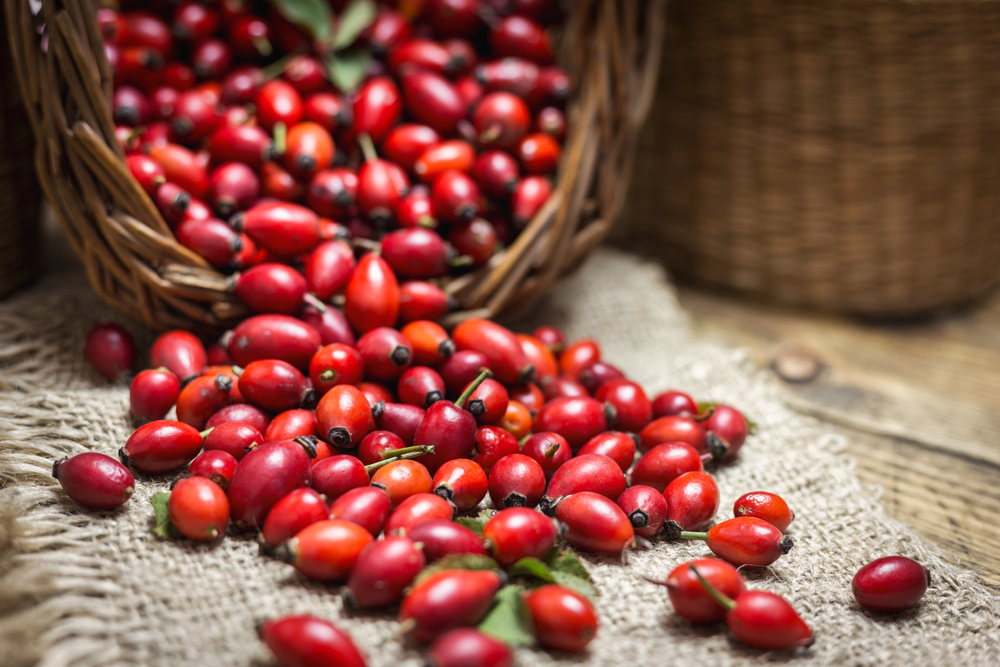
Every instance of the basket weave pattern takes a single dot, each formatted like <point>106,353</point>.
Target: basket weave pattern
<point>611,49</point>
<point>839,155</point>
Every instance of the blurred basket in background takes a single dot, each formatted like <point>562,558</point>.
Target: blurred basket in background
<point>841,156</point>
<point>610,48</point>
<point>20,195</point>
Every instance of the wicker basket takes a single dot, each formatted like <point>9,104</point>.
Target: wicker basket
<point>612,49</point>
<point>20,195</point>
<point>840,155</point>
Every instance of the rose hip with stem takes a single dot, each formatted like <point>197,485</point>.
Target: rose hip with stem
<point>461,481</point>
<point>744,541</point>
<point>690,599</point>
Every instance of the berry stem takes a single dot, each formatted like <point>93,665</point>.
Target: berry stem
<point>280,138</point>
<point>314,301</point>
<point>724,600</point>
<point>690,535</point>
<point>391,453</point>
<point>367,147</point>
<point>204,434</point>
<point>428,449</point>
<point>472,387</point>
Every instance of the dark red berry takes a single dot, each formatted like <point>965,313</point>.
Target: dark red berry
<point>632,408</point>
<point>674,403</point>
<point>216,465</point>
<point>616,445</point>
<point>501,120</point>
<point>673,429</point>
<point>518,532</point>
<point>516,481</point>
<point>274,337</point>
<point>110,350</point>
<point>500,347</point>
<point>729,425</point>
<point>235,438</point>
<point>588,472</point>
<point>307,641</point>
<point>94,480</point>
<point>240,412</point>
<point>690,599</point>
<point>492,444</point>
<point>416,508</point>
<point>448,599</point>
<point>384,570</point>
<point>152,393</point>
<point>161,446</point>
<point>595,523</point>
<point>271,288</point>
<point>467,647</point>
<point>366,506</point>
<point>576,419</point>
<point>264,476</point>
<point>645,507</point>
<point>692,501</point>
<point>664,463</point>
<point>549,449</point>
<point>563,619</point>
<point>461,481</point>
<point>372,295</point>
<point>890,584</point>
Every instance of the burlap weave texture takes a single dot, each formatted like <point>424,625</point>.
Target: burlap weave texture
<point>98,588</point>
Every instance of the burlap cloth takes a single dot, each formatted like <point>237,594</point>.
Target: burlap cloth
<point>98,588</point>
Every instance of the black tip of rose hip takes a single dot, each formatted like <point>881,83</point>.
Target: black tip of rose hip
<point>56,464</point>
<point>433,397</point>
<point>259,625</point>
<point>339,436</point>
<point>639,518</point>
<point>308,400</point>
<point>223,382</point>
<point>349,601</point>
<point>547,506</point>
<point>378,409</point>
<point>717,447</point>
<point>400,356</point>
<point>285,552</point>
<point>467,212</point>
<point>444,491</point>
<point>672,530</point>
<point>527,374</point>
<point>236,222</point>
<point>515,499</point>
<point>308,443</point>
<point>305,163</point>
<point>786,544</point>
<point>343,198</point>
<point>122,456</point>
<point>446,348</point>
<point>476,407</point>
<point>610,413</point>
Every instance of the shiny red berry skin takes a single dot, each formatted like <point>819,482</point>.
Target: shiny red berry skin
<point>375,443</point>
<point>551,337</point>
<point>246,144</point>
<point>274,337</point>
<point>497,173</point>
<point>377,107</point>
<point>455,154</point>
<point>728,424</point>
<point>416,210</point>
<point>488,402</point>
<point>264,476</point>
<point>372,295</point>
<point>577,356</point>
<point>767,506</point>
<point>766,621</point>
<point>563,619</point>
<point>276,386</point>
<point>588,472</point>
<point>331,325</point>
<point>461,368</point>
<point>420,53</point>
<point>402,479</point>
<point>278,102</point>
<point>451,430</point>
<point>307,641</point>
<point>161,446</point>
<point>421,386</point>
<point>417,508</point>
<point>343,416</point>
<point>501,120</point>
<point>594,523</point>
<point>271,288</point>
<point>405,143</point>
<point>94,480</point>
<point>366,506</point>
<point>329,110</point>
<point>576,419</point>
<point>300,508</point>
<point>328,550</point>
<point>213,239</point>
<point>382,185</point>
<point>216,465</point>
<point>492,444</point>
<point>306,73</point>
<point>399,418</point>
<point>552,122</point>
<point>664,463</point>
<point>110,349</point>
<point>529,395</point>
<point>235,438</point>
<point>181,166</point>
<point>645,507</point>
<point>195,118</point>
<point>516,480</point>
<point>549,450</point>
<point>389,28</point>
<point>336,475</point>
<point>202,398</point>
<point>690,599</point>
<point>518,532</point>
<point>563,387</point>
<point>415,253</point>
<point>671,403</point>
<point>890,584</point>
<point>146,29</point>
<point>632,407</point>
<point>233,187</point>
<point>616,445</point>
<point>241,85</point>
<point>384,570</point>
<point>448,599</point>
<point>455,17</point>
<point>475,240</point>
<point>529,195</point>
<point>692,500</point>
<point>673,429</point>
<point>432,99</point>
<point>280,227</point>
<point>250,37</point>
<point>276,183</point>
<point>174,205</point>
<point>443,537</point>
<point>336,364</point>
<point>467,647</point>
<point>198,508</point>
<point>211,58</point>
<point>431,343</point>
<point>454,197</point>
<point>193,22</point>
<point>386,354</point>
<point>152,393</point>
<point>747,541</point>
<point>517,420</point>
<point>329,268</point>
<point>309,149</point>
<point>461,481</point>
<point>500,347</point>
<point>147,172</point>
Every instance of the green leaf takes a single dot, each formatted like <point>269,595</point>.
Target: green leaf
<point>164,527</point>
<point>458,562</point>
<point>476,523</point>
<point>313,16</point>
<point>574,582</point>
<point>509,620</point>
<point>352,21</point>
<point>532,567</point>
<point>565,561</point>
<point>347,69</point>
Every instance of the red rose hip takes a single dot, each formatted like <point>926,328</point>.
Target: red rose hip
<point>890,584</point>
<point>94,480</point>
<point>564,620</point>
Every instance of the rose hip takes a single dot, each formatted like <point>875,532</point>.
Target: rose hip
<point>292,424</point>
<point>563,619</point>
<point>673,429</point>
<point>421,386</point>
<point>291,514</point>
<point>664,463</point>
<point>516,481</point>
<point>367,506</point>
<point>563,387</point>
<point>152,393</point>
<point>216,465</point>
<point>400,419</point>
<point>308,641</point>
<point>443,537</point>
<point>632,408</point>
<point>276,386</point>
<point>274,337</point>
<point>692,500</point>
<point>454,154</point>
<point>240,412</point>
<point>517,420</point>
<point>617,446</point>
<point>449,429</point>
<point>576,419</point>
<point>500,347</point>
<point>343,416</point>
<point>890,584</point>
<point>110,350</point>
<point>674,403</point>
<point>492,444</point>
<point>402,479</point>
<point>202,398</point>
<point>385,568</point>
<point>587,472</point>
<point>235,438</point>
<point>529,395</point>
<point>461,481</point>
<point>690,599</point>
<point>546,366</point>
<point>745,541</point>
<point>594,523</point>
<point>372,295</point>
<point>94,480</point>
<point>549,450</point>
<point>326,550</point>
<point>431,344</point>
<point>264,476</point>
<point>645,507</point>
<point>330,324</point>
<point>336,475</point>
<point>417,508</point>
<point>518,532</point>
<point>161,446</point>
<point>448,599</point>
<point>767,506</point>
<point>729,425</point>
<point>461,368</point>
<point>529,195</point>
<point>198,508</point>
<point>467,647</point>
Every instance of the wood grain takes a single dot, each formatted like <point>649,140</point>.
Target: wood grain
<point>919,400</point>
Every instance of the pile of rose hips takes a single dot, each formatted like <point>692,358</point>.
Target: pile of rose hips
<point>441,150</point>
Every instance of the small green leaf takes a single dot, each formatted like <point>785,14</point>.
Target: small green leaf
<point>352,21</point>
<point>576,583</point>
<point>566,561</point>
<point>509,620</point>
<point>458,562</point>
<point>532,567</point>
<point>476,523</point>
<point>164,527</point>
<point>313,16</point>
<point>347,69</point>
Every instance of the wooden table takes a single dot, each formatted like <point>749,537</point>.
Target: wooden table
<point>919,402</point>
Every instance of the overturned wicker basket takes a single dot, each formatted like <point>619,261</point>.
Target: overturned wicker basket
<point>132,259</point>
